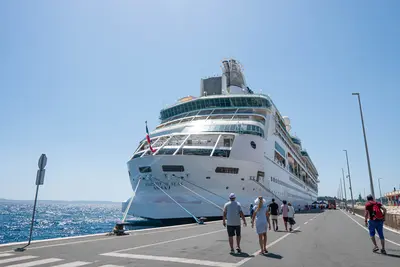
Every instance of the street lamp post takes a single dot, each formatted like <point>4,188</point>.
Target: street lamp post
<point>366,146</point>
<point>345,195</point>
<point>380,192</point>
<point>341,192</point>
<point>351,190</point>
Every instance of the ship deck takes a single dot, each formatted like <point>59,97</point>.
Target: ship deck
<point>330,238</point>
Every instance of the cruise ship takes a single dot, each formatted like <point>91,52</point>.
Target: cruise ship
<point>229,139</point>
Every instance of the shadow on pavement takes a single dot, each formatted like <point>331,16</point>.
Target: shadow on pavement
<point>242,255</point>
<point>392,255</point>
<point>273,255</point>
<point>284,231</point>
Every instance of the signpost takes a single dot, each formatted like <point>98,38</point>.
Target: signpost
<point>39,181</point>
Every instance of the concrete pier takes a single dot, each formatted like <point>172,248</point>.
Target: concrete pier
<point>331,238</point>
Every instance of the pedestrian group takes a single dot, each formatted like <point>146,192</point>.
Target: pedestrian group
<point>261,215</point>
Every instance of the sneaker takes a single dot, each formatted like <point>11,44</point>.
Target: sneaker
<point>238,250</point>
<point>375,249</point>
<point>232,250</point>
<point>383,251</point>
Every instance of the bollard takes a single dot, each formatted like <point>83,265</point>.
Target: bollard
<point>119,229</point>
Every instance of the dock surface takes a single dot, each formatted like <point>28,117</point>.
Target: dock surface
<point>331,238</point>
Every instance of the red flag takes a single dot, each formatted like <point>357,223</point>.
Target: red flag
<point>148,139</point>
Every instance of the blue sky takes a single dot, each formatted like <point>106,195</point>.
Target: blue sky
<point>79,78</point>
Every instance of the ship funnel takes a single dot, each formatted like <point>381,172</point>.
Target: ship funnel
<point>286,120</point>
<point>233,81</point>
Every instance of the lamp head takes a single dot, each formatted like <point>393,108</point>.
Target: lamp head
<point>355,93</point>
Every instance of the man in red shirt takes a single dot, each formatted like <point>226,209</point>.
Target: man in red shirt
<point>373,212</point>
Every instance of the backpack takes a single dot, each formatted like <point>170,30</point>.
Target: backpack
<point>375,211</point>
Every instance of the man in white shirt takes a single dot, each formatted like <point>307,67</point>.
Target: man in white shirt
<point>232,213</point>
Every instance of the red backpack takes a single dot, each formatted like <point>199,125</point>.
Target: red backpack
<point>374,209</point>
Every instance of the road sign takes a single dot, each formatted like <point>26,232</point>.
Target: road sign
<point>40,177</point>
<point>42,161</point>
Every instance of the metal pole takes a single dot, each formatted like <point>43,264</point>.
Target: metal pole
<point>33,215</point>
<point>366,146</point>
<point>351,190</point>
<point>345,194</point>
<point>380,192</point>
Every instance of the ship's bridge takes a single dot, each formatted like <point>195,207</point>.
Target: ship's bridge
<point>196,106</point>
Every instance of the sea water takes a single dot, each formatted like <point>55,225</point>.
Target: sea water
<point>54,220</point>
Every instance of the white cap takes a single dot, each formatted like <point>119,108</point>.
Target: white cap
<point>232,195</point>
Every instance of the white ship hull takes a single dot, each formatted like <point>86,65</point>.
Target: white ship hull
<point>208,195</point>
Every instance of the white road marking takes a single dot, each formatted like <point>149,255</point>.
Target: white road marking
<point>387,228</point>
<point>151,230</point>
<point>72,264</point>
<point>110,265</point>
<point>172,259</point>
<point>305,222</point>
<point>6,254</point>
<point>164,242</point>
<point>35,263</point>
<point>366,229</point>
<point>105,238</point>
<point>268,246</point>
<point>17,259</point>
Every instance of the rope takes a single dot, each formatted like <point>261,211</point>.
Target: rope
<point>225,199</point>
<point>177,203</point>
<point>130,202</point>
<point>209,201</point>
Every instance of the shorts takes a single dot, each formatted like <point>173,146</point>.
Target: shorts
<point>233,230</point>
<point>375,225</point>
<point>285,219</point>
<point>274,217</point>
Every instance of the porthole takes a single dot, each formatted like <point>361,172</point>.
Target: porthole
<point>253,144</point>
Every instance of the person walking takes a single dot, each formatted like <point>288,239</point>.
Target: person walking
<point>291,216</point>
<point>261,216</point>
<point>274,210</point>
<point>373,212</point>
<point>231,220</point>
<point>285,210</point>
<point>251,210</point>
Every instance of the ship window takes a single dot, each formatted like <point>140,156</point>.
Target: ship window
<point>221,153</point>
<point>197,151</point>
<point>148,153</point>
<point>166,151</point>
<point>227,142</point>
<point>145,169</point>
<point>227,170</point>
<point>212,103</point>
<point>137,155</point>
<point>245,110</point>
<point>185,120</point>
<point>173,168</point>
<point>280,149</point>
<point>224,111</point>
